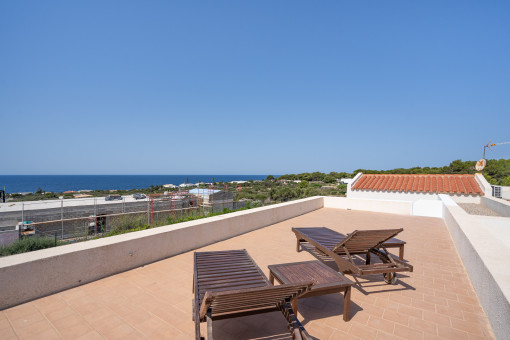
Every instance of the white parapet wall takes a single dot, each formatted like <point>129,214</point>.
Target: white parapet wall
<point>427,207</point>
<point>500,206</point>
<point>387,206</point>
<point>483,250</point>
<point>28,276</point>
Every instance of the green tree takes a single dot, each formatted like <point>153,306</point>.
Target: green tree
<point>303,184</point>
<point>329,179</point>
<point>270,178</point>
<point>342,188</point>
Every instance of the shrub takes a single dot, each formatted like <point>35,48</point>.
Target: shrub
<point>126,223</point>
<point>28,244</point>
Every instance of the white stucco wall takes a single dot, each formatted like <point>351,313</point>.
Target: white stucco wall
<point>482,253</point>
<point>505,193</point>
<point>408,196</point>
<point>428,208</point>
<point>499,205</point>
<point>389,195</point>
<point>417,208</point>
<point>484,185</point>
<point>391,207</point>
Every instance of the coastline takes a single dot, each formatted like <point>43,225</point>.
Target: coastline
<point>63,183</point>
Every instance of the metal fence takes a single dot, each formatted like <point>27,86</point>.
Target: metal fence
<point>78,219</point>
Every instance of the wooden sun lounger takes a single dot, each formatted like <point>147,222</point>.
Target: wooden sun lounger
<point>365,242</point>
<point>229,284</point>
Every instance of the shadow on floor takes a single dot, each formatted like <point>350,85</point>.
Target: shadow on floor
<point>267,326</point>
<point>368,284</point>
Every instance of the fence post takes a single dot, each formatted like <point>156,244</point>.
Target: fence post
<point>55,238</point>
<point>22,213</point>
<point>148,215</point>
<point>62,215</point>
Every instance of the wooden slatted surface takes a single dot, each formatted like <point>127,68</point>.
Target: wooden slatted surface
<point>359,242</point>
<point>226,270</point>
<point>364,240</point>
<point>251,300</point>
<point>230,284</point>
<point>324,236</point>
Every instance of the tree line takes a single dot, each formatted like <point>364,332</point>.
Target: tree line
<point>497,172</point>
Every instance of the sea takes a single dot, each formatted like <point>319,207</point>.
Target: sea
<point>61,183</point>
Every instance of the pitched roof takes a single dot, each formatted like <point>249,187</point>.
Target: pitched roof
<point>450,184</point>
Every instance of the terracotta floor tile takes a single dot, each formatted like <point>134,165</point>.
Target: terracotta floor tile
<point>381,324</point>
<point>27,320</point>
<point>386,336</point>
<point>339,335</point>
<point>35,329</point>
<point>91,336</point>
<point>402,319</point>
<point>154,301</point>
<point>467,326</point>
<point>424,305</point>
<point>319,331</point>
<point>122,331</point>
<point>449,311</point>
<point>407,333</point>
<point>451,333</point>
<point>410,311</point>
<point>6,330</point>
<point>21,311</point>
<point>46,334</point>
<point>363,332</point>
<point>75,331</point>
<point>422,325</point>
<point>438,319</point>
<point>59,314</point>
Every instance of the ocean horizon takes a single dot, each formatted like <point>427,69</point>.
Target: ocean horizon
<point>61,183</point>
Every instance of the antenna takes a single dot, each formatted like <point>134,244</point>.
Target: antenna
<point>482,162</point>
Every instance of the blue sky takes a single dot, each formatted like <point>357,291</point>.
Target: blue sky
<point>260,87</point>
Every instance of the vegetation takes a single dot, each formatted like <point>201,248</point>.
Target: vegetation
<point>255,193</point>
<point>293,186</point>
<point>497,172</point>
<point>27,244</point>
<point>130,223</point>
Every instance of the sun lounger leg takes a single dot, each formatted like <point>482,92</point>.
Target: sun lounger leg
<point>271,278</point>
<point>209,324</point>
<point>294,304</point>
<point>368,258</point>
<point>298,244</point>
<point>401,252</point>
<point>347,303</point>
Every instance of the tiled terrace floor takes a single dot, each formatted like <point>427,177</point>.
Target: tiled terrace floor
<point>435,301</point>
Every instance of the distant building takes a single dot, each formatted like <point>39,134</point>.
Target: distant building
<point>186,185</point>
<point>169,186</point>
<point>82,195</point>
<point>225,199</point>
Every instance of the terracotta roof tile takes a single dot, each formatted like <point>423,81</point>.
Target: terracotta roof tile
<point>450,184</point>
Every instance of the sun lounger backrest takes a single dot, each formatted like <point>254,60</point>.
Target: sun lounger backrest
<point>227,270</point>
<point>247,301</point>
<point>364,240</point>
